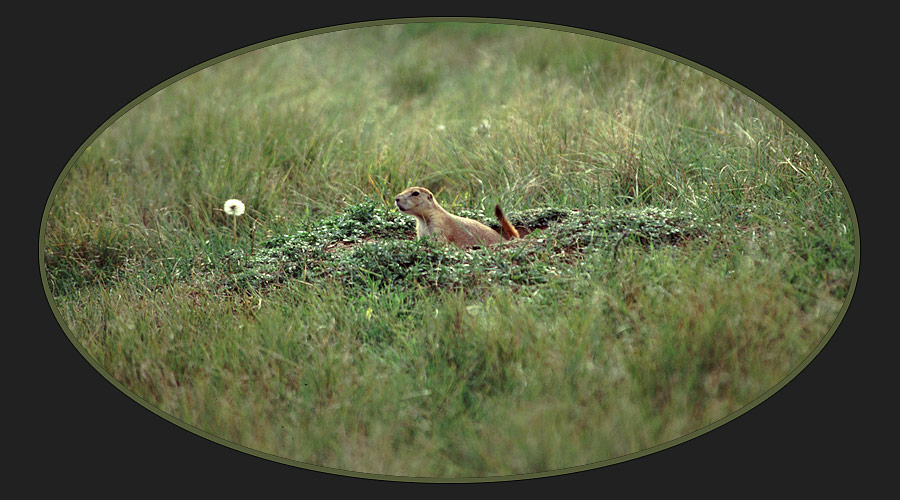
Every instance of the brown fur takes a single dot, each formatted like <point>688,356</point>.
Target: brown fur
<point>432,220</point>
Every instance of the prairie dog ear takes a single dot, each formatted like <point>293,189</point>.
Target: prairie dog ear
<point>429,195</point>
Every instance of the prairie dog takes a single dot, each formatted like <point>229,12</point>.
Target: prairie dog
<point>433,220</point>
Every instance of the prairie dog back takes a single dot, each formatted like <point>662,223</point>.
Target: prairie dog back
<point>433,220</point>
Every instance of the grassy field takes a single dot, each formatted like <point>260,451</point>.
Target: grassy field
<point>693,250</point>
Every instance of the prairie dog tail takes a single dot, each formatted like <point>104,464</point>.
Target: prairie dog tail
<point>507,229</point>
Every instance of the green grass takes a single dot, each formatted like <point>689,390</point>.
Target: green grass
<point>691,250</point>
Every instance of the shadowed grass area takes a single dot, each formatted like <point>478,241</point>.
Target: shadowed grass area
<point>685,250</point>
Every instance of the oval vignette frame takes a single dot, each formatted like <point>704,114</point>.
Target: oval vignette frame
<point>594,465</point>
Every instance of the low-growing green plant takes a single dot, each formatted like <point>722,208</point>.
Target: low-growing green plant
<point>368,245</point>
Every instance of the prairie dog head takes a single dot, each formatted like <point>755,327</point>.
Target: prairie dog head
<point>415,200</point>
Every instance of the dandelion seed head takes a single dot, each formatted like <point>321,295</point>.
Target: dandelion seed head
<point>234,207</point>
<point>441,127</point>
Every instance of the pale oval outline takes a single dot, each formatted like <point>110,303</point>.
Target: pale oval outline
<point>462,479</point>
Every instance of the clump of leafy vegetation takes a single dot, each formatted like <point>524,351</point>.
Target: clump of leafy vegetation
<point>370,246</point>
<point>308,252</point>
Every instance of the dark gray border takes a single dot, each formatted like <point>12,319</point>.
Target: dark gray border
<point>579,31</point>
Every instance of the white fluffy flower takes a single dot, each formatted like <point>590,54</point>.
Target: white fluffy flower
<point>234,207</point>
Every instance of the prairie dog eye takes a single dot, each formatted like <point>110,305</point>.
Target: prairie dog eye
<point>415,193</point>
